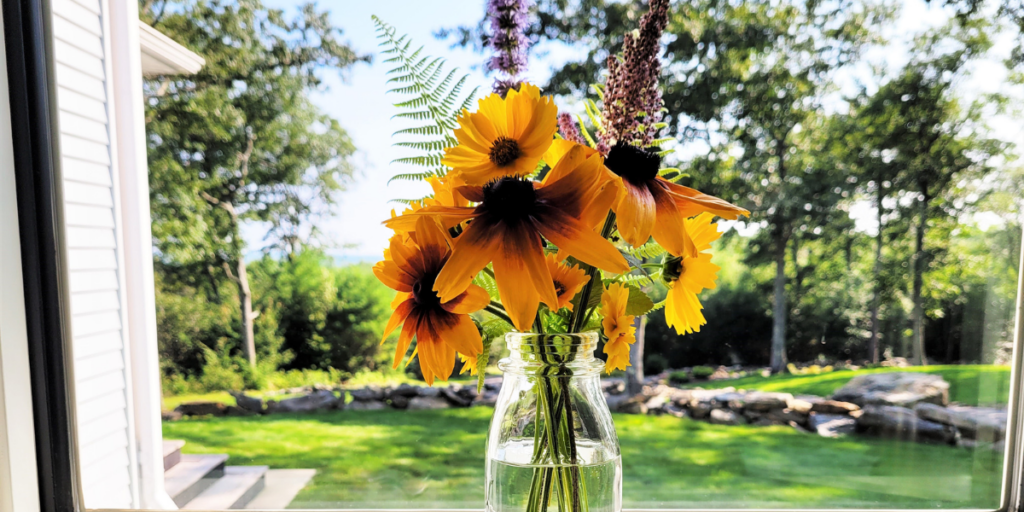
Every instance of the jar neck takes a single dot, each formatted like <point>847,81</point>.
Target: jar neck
<point>567,351</point>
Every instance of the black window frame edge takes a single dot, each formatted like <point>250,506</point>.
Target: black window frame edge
<point>29,51</point>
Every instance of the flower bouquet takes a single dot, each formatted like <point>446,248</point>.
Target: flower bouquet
<point>548,227</point>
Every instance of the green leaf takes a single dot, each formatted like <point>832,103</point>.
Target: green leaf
<point>639,303</point>
<point>481,369</point>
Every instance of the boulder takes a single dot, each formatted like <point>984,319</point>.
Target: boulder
<point>786,416</point>
<point>799,405</point>
<point>455,398</point>
<point>633,407</point>
<point>902,423</point>
<point>985,424</point>
<point>234,410</point>
<point>170,415</point>
<point>616,401</point>
<point>831,425</point>
<point>700,410</point>
<point>613,386</point>
<point>488,399</point>
<point>657,403</point>
<point>765,401</point>
<point>903,389</point>
<point>404,390</point>
<point>367,394</point>
<point>397,401</point>
<point>731,400</point>
<point>368,405</point>
<point>725,417</point>
<point>201,409</point>
<point>834,407</point>
<point>468,392</point>
<point>428,402</point>
<point>492,383</point>
<point>674,410</point>
<point>315,401</point>
<point>249,403</point>
<point>428,392</point>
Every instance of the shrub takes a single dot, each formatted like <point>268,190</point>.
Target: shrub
<point>655,364</point>
<point>679,377</point>
<point>702,372</point>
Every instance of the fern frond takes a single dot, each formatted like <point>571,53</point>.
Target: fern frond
<point>432,93</point>
<point>638,280</point>
<point>647,251</point>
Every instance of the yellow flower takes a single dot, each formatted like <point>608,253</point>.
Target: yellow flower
<point>568,281</point>
<point>618,327</point>
<point>441,328</point>
<point>689,275</point>
<point>468,364</point>
<point>505,137</point>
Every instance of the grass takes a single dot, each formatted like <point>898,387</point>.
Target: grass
<point>434,459</point>
<point>968,384</point>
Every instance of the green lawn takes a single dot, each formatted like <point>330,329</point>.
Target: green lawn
<point>968,384</point>
<point>434,459</point>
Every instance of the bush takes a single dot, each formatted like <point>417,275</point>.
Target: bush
<point>655,364</point>
<point>702,372</point>
<point>679,377</point>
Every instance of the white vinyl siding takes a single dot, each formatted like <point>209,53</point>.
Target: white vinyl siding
<point>105,436</point>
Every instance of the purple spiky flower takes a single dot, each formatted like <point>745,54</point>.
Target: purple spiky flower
<point>567,125</point>
<point>509,19</point>
<point>632,99</point>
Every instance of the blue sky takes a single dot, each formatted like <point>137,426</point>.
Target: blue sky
<point>363,108</point>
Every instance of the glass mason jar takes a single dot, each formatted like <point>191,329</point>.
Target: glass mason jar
<point>552,443</point>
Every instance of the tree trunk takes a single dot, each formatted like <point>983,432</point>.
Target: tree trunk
<point>876,299</point>
<point>635,372</point>
<point>778,354</point>
<point>918,331</point>
<point>245,300</point>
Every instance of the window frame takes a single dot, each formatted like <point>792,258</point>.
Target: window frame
<point>30,75</point>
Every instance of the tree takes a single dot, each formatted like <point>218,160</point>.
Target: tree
<point>240,140</point>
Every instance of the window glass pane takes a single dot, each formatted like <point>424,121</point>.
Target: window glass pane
<point>850,345</point>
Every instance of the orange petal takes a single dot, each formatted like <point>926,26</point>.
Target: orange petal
<point>571,235</point>
<point>635,213</point>
<point>404,339</point>
<point>401,313</point>
<point>472,300</point>
<point>463,336</point>
<point>393,276</point>
<point>407,221</point>
<point>473,250</point>
<point>670,230</point>
<point>691,202</point>
<point>518,295</point>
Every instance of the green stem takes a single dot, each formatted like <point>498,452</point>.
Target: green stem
<point>576,321</point>
<point>498,312</point>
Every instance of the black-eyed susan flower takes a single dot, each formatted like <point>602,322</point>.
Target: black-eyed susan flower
<point>618,327</point>
<point>689,275</point>
<point>441,327</point>
<point>505,137</point>
<point>649,205</point>
<point>507,225</point>
<point>568,279</point>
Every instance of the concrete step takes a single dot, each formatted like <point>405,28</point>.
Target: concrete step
<point>193,475</point>
<point>282,485</point>
<point>172,452</point>
<point>234,490</point>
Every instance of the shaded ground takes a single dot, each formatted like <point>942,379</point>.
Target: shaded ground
<point>968,384</point>
<point>434,459</point>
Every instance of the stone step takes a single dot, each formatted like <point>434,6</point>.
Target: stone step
<point>193,475</point>
<point>282,485</point>
<point>172,452</point>
<point>234,490</point>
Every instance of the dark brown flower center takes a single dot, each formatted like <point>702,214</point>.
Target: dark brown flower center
<point>672,268</point>
<point>638,165</point>
<point>504,152</point>
<point>423,291</point>
<point>559,288</point>
<point>510,199</point>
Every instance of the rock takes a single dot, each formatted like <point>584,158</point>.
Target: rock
<point>397,401</point>
<point>903,423</point>
<point>765,401</point>
<point>984,424</point>
<point>834,407</point>
<point>731,399</point>
<point>488,399</point>
<point>249,403</point>
<point>680,397</point>
<point>368,405</point>
<point>903,389</point>
<point>201,409</point>
<point>234,410</point>
<point>429,392</point>
<point>786,416</point>
<point>468,392</point>
<point>613,386</point>
<point>170,415</point>
<point>615,401</point>
<point>831,425</point>
<point>367,394</point>
<point>454,398</point>
<point>799,405</point>
<point>492,383</point>
<point>404,390</point>
<point>725,417</point>
<point>428,402</point>
<point>633,407</point>
<point>674,410</point>
<point>315,401</point>
<point>700,410</point>
<point>657,403</point>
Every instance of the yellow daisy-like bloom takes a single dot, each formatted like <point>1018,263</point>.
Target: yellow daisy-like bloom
<point>618,327</point>
<point>468,363</point>
<point>689,275</point>
<point>505,137</point>
<point>569,280</point>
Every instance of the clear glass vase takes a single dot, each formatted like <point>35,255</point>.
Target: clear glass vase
<point>552,443</point>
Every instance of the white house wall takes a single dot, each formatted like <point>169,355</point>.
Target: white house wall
<point>99,342</point>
